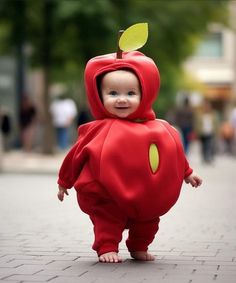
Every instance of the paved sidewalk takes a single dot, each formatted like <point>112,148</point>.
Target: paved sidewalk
<point>43,240</point>
<point>17,161</point>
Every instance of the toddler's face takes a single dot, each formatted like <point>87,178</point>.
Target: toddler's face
<point>121,93</point>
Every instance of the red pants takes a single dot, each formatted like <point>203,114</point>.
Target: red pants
<point>109,223</point>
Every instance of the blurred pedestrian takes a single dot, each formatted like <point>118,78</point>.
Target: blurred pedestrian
<point>206,129</point>
<point>226,132</point>
<point>6,127</point>
<point>27,122</point>
<point>63,112</point>
<point>233,123</point>
<point>184,120</point>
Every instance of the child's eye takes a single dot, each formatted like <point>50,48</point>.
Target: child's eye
<point>113,93</point>
<point>130,93</point>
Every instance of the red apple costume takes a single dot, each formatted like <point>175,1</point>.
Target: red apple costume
<point>116,182</point>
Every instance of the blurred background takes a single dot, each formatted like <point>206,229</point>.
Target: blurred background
<point>44,46</point>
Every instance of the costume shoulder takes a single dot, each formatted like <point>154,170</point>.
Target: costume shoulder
<point>176,135</point>
<point>169,127</point>
<point>90,140</point>
<point>90,129</point>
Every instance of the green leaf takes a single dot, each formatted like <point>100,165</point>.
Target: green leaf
<point>134,37</point>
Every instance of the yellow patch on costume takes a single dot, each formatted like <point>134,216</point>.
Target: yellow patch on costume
<point>153,157</point>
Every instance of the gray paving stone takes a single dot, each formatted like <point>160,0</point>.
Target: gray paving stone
<point>176,276</point>
<point>206,253</point>
<point>218,259</point>
<point>197,268</point>
<point>29,278</point>
<point>27,269</point>
<point>9,281</point>
<point>5,272</point>
<point>68,279</point>
<point>67,272</point>
<point>224,278</point>
<point>227,268</point>
<point>200,280</point>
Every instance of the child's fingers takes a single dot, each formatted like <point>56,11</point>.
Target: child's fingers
<point>60,196</point>
<point>66,192</point>
<point>197,181</point>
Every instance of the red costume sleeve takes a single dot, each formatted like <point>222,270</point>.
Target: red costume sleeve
<point>75,159</point>
<point>67,174</point>
<point>188,169</point>
<point>84,153</point>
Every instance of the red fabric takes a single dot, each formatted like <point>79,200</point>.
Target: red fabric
<point>110,221</point>
<point>141,234</point>
<point>121,165</point>
<point>109,165</point>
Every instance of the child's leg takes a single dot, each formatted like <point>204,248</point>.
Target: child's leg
<point>108,220</point>
<point>109,224</point>
<point>141,235</point>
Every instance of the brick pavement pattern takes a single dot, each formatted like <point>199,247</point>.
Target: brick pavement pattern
<point>43,240</point>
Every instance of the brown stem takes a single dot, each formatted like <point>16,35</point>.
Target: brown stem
<point>119,51</point>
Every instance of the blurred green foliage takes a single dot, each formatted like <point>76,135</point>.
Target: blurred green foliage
<point>82,29</point>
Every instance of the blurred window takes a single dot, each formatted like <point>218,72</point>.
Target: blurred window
<point>211,46</point>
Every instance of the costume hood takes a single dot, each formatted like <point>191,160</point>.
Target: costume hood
<point>144,68</point>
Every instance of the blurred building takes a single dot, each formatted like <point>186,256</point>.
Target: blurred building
<point>214,63</point>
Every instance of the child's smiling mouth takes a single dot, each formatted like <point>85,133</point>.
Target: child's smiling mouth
<point>122,107</point>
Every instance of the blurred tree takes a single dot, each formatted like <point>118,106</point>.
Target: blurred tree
<point>176,27</point>
<point>14,33</point>
<point>46,51</point>
<point>82,29</point>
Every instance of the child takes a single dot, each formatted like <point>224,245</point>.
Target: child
<point>127,167</point>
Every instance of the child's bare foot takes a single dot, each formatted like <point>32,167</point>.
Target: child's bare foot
<point>142,256</point>
<point>110,257</point>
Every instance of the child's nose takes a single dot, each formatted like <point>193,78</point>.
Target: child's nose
<point>121,99</point>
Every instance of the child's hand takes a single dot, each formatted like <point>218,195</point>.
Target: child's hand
<point>61,193</point>
<point>194,180</point>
